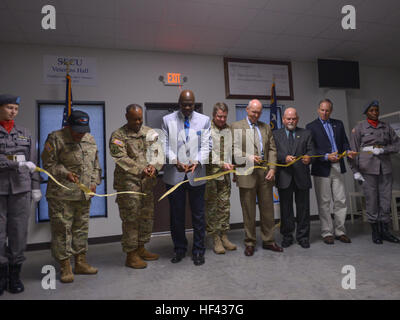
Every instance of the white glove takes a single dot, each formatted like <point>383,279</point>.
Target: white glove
<point>28,164</point>
<point>370,148</point>
<point>359,177</point>
<point>36,195</point>
<point>377,151</point>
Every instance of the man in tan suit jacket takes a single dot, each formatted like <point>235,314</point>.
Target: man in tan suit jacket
<point>252,143</point>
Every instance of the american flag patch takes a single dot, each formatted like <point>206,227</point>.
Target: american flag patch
<point>118,142</point>
<point>48,147</point>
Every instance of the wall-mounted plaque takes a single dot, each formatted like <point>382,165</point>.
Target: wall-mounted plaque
<point>248,79</point>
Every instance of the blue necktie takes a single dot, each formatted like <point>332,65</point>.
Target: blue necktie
<point>330,136</point>
<point>187,126</point>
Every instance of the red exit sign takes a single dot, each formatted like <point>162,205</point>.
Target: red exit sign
<point>173,78</point>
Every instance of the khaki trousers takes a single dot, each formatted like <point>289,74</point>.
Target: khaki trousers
<point>327,190</point>
<point>248,196</point>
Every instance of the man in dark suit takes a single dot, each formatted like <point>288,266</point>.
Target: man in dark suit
<point>330,139</point>
<point>292,142</point>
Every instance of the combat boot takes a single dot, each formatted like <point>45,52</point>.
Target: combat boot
<point>66,271</point>
<point>226,243</point>
<point>15,284</point>
<point>386,235</point>
<point>81,265</point>
<point>133,260</point>
<point>218,247</point>
<point>376,235</point>
<point>146,255</point>
<point>3,277</point>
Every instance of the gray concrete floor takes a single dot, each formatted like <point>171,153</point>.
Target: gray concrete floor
<point>297,273</point>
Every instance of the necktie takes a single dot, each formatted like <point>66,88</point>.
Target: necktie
<point>187,126</point>
<point>256,138</point>
<point>330,135</point>
<point>291,142</point>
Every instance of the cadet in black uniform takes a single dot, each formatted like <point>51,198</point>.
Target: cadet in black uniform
<point>376,141</point>
<point>19,184</point>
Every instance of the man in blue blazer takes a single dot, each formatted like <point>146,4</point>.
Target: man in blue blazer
<point>330,140</point>
<point>187,148</point>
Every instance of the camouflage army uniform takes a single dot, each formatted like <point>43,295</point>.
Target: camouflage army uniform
<point>136,211</point>
<point>218,191</point>
<point>69,209</point>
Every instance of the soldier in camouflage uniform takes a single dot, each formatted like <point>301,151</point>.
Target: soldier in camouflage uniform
<point>71,156</point>
<point>135,171</point>
<point>218,191</point>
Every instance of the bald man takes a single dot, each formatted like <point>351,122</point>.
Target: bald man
<point>292,142</point>
<point>253,145</point>
<point>187,147</point>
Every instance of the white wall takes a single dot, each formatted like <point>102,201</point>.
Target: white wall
<point>132,77</point>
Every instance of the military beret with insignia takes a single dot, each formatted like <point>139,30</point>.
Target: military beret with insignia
<point>9,98</point>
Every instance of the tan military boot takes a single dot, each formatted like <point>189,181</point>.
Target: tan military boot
<point>146,255</point>
<point>226,243</point>
<point>218,248</point>
<point>66,271</point>
<point>82,267</point>
<point>133,260</point>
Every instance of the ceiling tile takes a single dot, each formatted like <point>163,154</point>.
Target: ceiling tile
<point>374,11</point>
<point>335,31</point>
<point>32,22</point>
<point>331,8</point>
<point>255,40</point>
<point>181,12</point>
<point>50,38</point>
<point>393,18</point>
<point>138,30</point>
<point>251,4</point>
<point>89,8</point>
<point>309,26</point>
<point>290,6</point>
<point>143,10</point>
<point>33,6</point>
<point>235,18</point>
<point>11,36</point>
<point>95,42</point>
<point>272,22</point>
<point>7,21</point>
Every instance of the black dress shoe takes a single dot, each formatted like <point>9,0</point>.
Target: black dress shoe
<point>273,247</point>
<point>249,251</point>
<point>304,243</point>
<point>386,235</point>
<point>177,257</point>
<point>15,284</point>
<point>286,242</point>
<point>198,259</point>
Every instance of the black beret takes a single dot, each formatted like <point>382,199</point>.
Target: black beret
<point>9,98</point>
<point>369,105</point>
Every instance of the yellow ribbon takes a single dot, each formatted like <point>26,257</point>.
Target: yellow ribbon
<point>85,189</point>
<point>219,174</point>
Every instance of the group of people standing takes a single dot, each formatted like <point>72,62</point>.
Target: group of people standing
<point>193,146</point>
